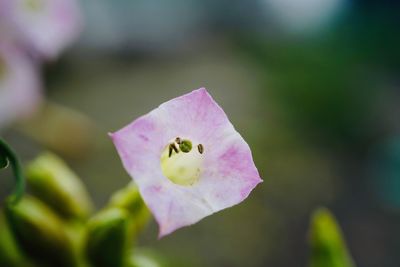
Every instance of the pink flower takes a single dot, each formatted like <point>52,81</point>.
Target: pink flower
<point>46,26</point>
<point>19,84</point>
<point>187,159</point>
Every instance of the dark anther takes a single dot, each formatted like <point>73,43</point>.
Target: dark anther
<point>200,147</point>
<point>175,148</point>
<point>169,150</point>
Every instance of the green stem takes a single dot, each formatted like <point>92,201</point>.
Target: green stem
<point>7,155</point>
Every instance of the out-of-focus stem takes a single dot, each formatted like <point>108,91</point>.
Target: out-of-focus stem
<point>8,157</point>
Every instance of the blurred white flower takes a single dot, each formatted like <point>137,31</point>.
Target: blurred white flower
<point>20,85</point>
<point>29,29</point>
<point>46,26</point>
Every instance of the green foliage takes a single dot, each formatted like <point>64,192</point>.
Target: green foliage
<point>146,258</point>
<point>330,83</point>
<point>8,156</point>
<point>112,232</point>
<point>3,160</point>
<point>10,254</point>
<point>328,249</point>
<point>52,181</point>
<point>129,199</point>
<point>40,233</point>
<point>107,238</point>
<point>53,228</point>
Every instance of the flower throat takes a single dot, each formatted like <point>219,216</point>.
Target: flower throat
<point>181,163</point>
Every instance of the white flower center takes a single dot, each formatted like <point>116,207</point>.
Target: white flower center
<point>181,162</point>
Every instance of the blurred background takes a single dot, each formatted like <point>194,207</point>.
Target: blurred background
<point>313,87</point>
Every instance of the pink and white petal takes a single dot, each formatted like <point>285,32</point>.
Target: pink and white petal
<point>228,175</point>
<point>174,206</point>
<point>140,145</point>
<point>195,115</point>
<point>20,86</point>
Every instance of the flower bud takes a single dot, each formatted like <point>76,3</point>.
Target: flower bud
<point>52,181</point>
<point>328,249</point>
<point>129,199</point>
<point>40,233</point>
<point>10,255</point>
<point>146,258</point>
<point>107,239</point>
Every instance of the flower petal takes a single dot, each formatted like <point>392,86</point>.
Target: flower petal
<point>227,176</point>
<point>47,26</point>
<point>20,86</point>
